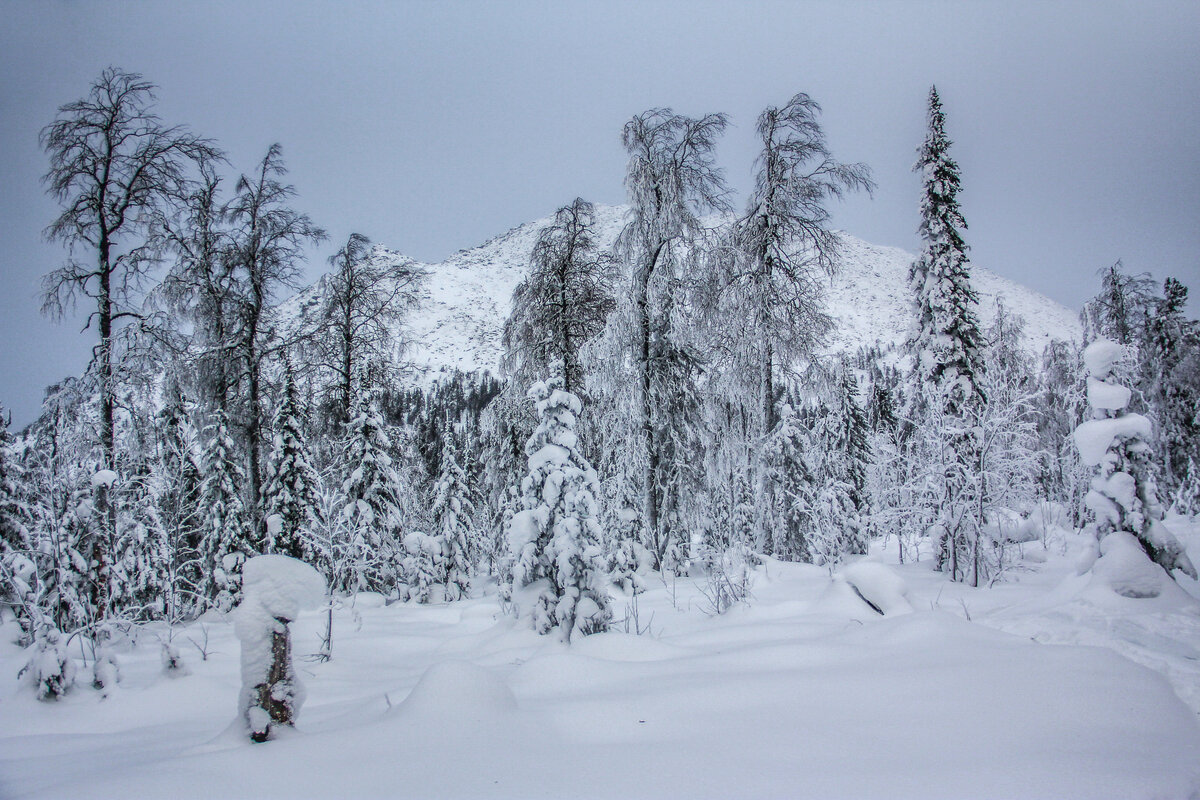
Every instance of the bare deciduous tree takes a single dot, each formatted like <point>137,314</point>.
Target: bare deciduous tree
<point>114,166</point>
<point>366,303</point>
<point>564,301</point>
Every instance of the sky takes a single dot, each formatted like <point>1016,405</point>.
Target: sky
<point>433,126</point>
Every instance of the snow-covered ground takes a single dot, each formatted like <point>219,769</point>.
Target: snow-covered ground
<point>1046,685</point>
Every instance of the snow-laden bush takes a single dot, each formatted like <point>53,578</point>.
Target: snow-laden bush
<point>626,565</point>
<point>1123,495</point>
<point>424,568</point>
<point>274,590</point>
<point>49,671</point>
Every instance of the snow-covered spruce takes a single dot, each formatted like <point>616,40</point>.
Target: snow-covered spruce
<point>453,511</point>
<point>225,537</point>
<point>292,490</point>
<point>1123,495</point>
<point>556,538</point>
<point>371,508</point>
<point>275,588</point>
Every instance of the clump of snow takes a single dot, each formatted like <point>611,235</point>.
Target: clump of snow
<point>104,477</point>
<point>49,670</point>
<point>878,585</point>
<point>1124,567</point>
<point>1094,437</point>
<point>282,585</point>
<point>1101,356</point>
<point>1004,525</point>
<point>1105,395</point>
<point>275,588</point>
<point>105,671</point>
<point>274,526</point>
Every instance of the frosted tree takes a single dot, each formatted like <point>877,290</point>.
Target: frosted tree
<point>672,180</point>
<point>200,286</point>
<point>371,498</point>
<point>1119,312</point>
<point>1170,382</point>
<point>453,511</point>
<point>786,459</point>
<point>947,345</point>
<point>556,539</point>
<point>1123,494</point>
<point>291,494</point>
<point>563,302</point>
<point>226,539</point>
<point>267,239</point>
<point>366,300</point>
<point>14,509</point>
<point>768,289</point>
<point>845,455</point>
<point>113,166</point>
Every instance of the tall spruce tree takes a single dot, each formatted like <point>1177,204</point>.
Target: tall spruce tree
<point>371,495</point>
<point>948,342</point>
<point>453,511</point>
<point>292,489</point>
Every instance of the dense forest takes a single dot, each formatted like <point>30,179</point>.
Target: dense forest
<point>667,405</point>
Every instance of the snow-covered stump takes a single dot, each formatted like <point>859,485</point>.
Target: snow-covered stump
<point>1123,495</point>
<point>275,588</point>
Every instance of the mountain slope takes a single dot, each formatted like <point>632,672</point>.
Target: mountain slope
<point>467,296</point>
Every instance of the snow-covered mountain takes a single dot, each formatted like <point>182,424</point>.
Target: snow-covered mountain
<point>467,296</point>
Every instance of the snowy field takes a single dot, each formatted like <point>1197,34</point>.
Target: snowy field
<point>1049,685</point>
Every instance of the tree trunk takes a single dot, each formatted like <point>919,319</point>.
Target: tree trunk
<point>102,546</point>
<point>275,696</point>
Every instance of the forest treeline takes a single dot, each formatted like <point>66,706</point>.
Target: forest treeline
<point>666,404</point>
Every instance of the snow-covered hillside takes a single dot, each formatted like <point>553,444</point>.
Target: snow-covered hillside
<point>467,298</point>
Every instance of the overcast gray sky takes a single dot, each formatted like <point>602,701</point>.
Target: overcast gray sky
<point>432,126</point>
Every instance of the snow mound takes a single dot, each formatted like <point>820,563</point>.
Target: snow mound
<point>864,590</point>
<point>282,585</point>
<point>878,585</point>
<point>1101,356</point>
<point>1124,567</point>
<point>105,478</point>
<point>458,690</point>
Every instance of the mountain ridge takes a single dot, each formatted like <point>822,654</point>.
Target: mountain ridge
<point>466,299</point>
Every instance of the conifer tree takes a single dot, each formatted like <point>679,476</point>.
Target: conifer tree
<point>453,511</point>
<point>371,496</point>
<point>1123,494</point>
<point>292,490</point>
<point>947,345</point>
<point>948,342</point>
<point>556,539</point>
<point>226,540</point>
